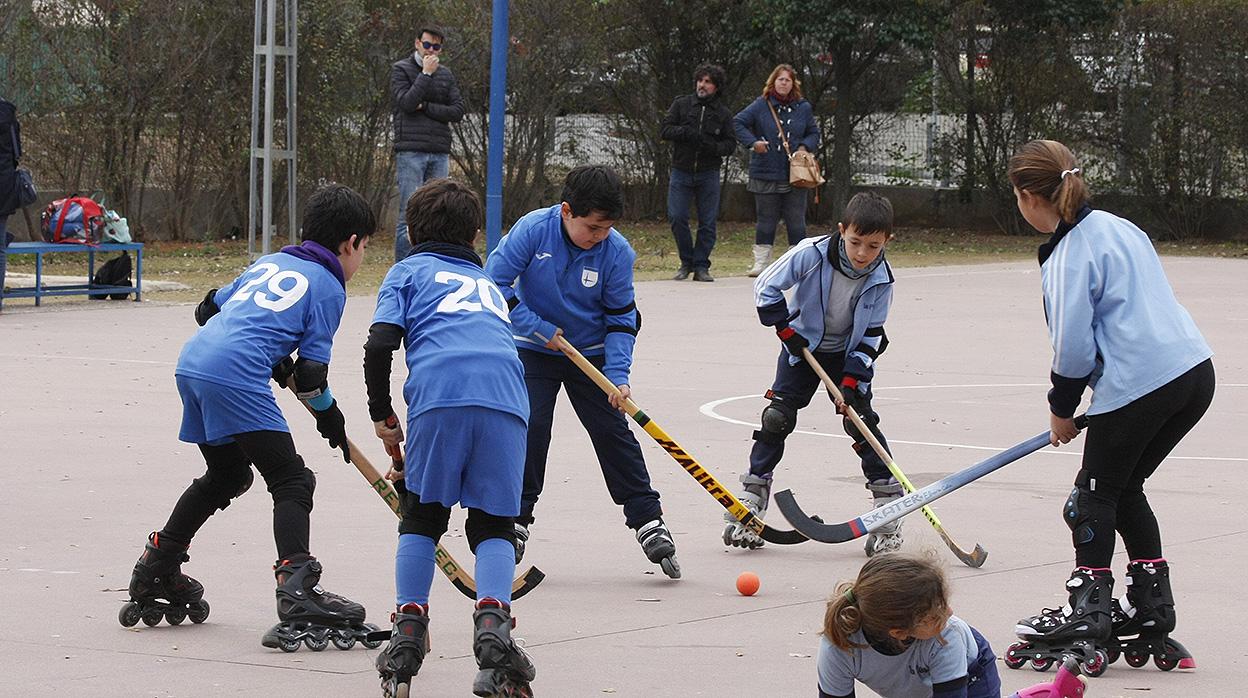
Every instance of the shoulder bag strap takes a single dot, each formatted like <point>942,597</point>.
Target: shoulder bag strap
<point>783,139</point>
<point>17,149</point>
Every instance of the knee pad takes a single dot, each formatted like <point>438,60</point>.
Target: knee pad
<point>294,482</point>
<point>221,486</point>
<point>1079,515</point>
<point>778,421</point>
<point>482,526</point>
<point>423,518</point>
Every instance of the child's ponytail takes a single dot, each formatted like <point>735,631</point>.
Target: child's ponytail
<point>1071,194</point>
<point>842,617</point>
<point>1048,168</point>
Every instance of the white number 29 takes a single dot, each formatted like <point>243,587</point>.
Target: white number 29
<point>457,301</point>
<point>283,296</point>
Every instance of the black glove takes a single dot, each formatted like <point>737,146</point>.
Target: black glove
<point>854,399</point>
<point>206,308</point>
<point>333,427</point>
<point>283,370</point>
<point>793,341</point>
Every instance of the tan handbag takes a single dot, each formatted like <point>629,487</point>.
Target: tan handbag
<point>803,167</point>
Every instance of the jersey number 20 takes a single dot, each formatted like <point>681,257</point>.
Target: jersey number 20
<point>459,299</point>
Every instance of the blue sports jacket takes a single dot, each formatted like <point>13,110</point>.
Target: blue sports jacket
<point>1114,321</point>
<point>807,268</point>
<point>549,283</point>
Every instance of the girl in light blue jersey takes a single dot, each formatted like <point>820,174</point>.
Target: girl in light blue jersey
<point>892,630</point>
<point>1116,327</point>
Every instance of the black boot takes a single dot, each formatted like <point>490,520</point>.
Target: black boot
<point>409,643</point>
<point>682,273</point>
<point>505,669</point>
<point>702,274</point>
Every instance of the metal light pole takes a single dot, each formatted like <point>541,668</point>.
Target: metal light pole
<point>266,54</point>
<point>499,46</point>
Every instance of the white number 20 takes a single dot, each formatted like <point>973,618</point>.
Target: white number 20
<point>282,296</point>
<point>457,301</point>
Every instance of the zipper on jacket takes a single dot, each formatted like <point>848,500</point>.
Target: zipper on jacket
<point>697,149</point>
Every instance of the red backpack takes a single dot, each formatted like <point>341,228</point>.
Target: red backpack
<point>77,219</point>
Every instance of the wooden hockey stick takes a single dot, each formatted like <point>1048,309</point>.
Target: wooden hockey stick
<point>443,559</point>
<point>874,519</point>
<point>735,508</point>
<point>976,557</point>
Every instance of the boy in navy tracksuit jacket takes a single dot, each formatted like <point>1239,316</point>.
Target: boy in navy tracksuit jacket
<point>565,271</point>
<point>842,290</point>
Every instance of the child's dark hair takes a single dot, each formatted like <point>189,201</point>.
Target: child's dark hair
<point>894,591</point>
<point>443,210</point>
<point>712,71</point>
<point>334,213</point>
<point>1048,169</point>
<point>869,213</point>
<point>594,188</point>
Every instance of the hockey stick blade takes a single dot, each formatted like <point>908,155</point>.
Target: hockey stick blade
<point>726,499</point>
<point>874,519</point>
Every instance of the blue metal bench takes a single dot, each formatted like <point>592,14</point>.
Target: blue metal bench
<point>39,249</point>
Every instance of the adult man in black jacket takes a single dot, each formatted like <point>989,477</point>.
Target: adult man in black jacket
<point>426,102</point>
<point>700,128</point>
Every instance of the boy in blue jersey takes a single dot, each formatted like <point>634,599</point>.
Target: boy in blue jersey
<point>288,301</point>
<point>565,271</point>
<point>467,414</point>
<point>842,288</point>
<point>1117,327</point>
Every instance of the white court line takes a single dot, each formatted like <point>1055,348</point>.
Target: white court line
<point>709,409</point>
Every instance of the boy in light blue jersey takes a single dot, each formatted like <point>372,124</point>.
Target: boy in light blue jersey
<point>288,301</point>
<point>467,414</point>
<point>841,291</point>
<point>1115,326</point>
<point>566,272</point>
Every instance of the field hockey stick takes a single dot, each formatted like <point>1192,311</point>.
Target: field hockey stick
<point>443,559</point>
<point>735,508</point>
<point>874,519</point>
<point>976,557</point>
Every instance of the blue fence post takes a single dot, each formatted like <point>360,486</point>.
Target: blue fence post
<point>499,46</point>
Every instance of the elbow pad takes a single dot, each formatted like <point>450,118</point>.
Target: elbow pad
<point>206,308</point>
<point>311,378</point>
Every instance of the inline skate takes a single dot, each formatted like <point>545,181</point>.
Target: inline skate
<point>313,616</point>
<point>400,661</point>
<point>886,538</point>
<point>659,547</point>
<point>159,589</point>
<point>755,495</point>
<point>504,668</point>
<point>1080,629</point>
<point>1144,618</point>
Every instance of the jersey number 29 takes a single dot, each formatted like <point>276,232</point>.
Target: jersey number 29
<point>282,296</point>
<point>460,299</point>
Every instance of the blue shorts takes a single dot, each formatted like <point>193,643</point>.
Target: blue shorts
<point>212,413</point>
<point>470,455</point>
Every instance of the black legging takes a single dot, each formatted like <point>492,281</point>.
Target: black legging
<point>1123,448</point>
<point>229,471</point>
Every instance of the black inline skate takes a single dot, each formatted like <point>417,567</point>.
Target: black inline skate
<point>1080,629</point>
<point>659,547</point>
<point>400,661</point>
<point>1144,619</point>
<point>504,668</point>
<point>159,589</point>
<point>313,616</point>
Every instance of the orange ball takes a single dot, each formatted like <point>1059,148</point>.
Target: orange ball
<point>747,583</point>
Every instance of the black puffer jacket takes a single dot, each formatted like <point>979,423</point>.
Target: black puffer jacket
<point>10,152</point>
<point>426,129</point>
<point>700,131</point>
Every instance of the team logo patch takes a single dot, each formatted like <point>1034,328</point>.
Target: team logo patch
<point>542,255</point>
<point>589,277</point>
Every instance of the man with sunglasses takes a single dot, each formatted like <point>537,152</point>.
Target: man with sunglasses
<point>426,102</point>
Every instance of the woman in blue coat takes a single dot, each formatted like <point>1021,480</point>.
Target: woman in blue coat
<point>758,127</point>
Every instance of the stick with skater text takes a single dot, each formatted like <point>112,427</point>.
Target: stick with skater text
<point>443,559</point>
<point>874,519</point>
<point>974,558</point>
<point>726,499</point>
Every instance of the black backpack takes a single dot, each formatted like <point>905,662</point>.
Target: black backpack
<point>114,272</point>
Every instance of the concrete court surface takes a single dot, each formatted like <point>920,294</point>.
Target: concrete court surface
<point>91,463</point>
